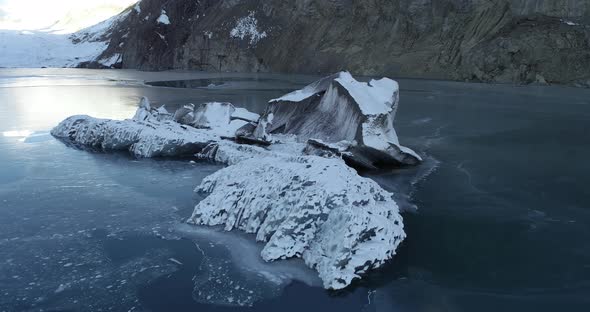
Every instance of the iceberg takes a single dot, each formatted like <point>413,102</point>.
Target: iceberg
<point>152,132</point>
<point>290,177</point>
<point>141,138</point>
<point>310,207</point>
<point>338,108</point>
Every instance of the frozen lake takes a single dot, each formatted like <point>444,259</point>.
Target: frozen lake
<point>503,223</point>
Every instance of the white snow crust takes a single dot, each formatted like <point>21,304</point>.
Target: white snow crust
<point>244,114</point>
<point>373,98</point>
<point>247,28</point>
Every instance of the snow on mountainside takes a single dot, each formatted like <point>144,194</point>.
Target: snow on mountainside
<point>44,48</point>
<point>39,49</point>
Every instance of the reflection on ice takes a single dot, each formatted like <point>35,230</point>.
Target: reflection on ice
<point>17,133</point>
<point>28,136</point>
<point>37,137</point>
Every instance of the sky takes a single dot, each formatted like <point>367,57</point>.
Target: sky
<point>72,14</point>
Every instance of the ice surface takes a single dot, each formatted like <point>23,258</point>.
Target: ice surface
<point>89,200</point>
<point>241,277</point>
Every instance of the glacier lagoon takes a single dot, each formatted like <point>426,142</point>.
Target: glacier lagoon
<point>501,223</point>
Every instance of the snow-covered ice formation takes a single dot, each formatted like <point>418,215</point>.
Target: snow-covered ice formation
<point>338,108</point>
<point>151,132</point>
<point>311,207</point>
<point>287,181</point>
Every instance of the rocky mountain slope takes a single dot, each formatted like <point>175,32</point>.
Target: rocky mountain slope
<point>519,41</point>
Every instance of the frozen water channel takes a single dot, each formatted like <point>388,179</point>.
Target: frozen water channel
<point>502,223</point>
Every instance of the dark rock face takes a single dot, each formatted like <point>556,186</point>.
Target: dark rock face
<point>519,41</point>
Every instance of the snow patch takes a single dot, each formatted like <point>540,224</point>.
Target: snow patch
<point>375,97</point>
<point>163,19</point>
<point>246,279</point>
<point>247,28</point>
<point>244,114</point>
<point>569,23</point>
